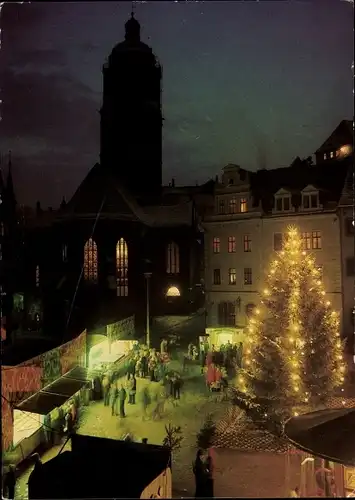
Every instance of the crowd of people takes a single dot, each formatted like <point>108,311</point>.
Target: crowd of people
<point>144,363</point>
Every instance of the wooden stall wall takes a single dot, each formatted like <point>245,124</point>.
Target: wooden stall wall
<point>20,382</point>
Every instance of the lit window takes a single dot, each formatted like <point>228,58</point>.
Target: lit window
<point>216,245</point>
<point>173,259</point>
<point>248,276</point>
<point>122,268</point>
<point>325,156</point>
<point>173,291</point>
<point>316,240</point>
<point>232,276</point>
<point>306,241</point>
<point>231,244</point>
<point>243,205</point>
<point>64,252</point>
<point>278,242</point>
<point>226,314</point>
<point>2,229</point>
<point>247,243</point>
<point>90,261</point>
<point>216,276</point>
<point>37,276</point>
<point>331,154</point>
<point>221,207</point>
<point>232,206</point>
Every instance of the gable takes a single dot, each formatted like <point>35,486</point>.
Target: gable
<point>97,193</point>
<point>283,192</point>
<point>310,189</point>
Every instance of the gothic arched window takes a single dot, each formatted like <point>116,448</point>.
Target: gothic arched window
<point>37,276</point>
<point>122,268</point>
<point>173,259</point>
<point>90,261</point>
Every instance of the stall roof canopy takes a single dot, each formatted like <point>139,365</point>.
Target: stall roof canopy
<point>78,373</point>
<point>76,475</point>
<point>65,386</point>
<point>55,394</point>
<point>42,403</point>
<point>326,433</point>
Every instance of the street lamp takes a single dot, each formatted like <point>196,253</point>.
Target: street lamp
<point>147,277</point>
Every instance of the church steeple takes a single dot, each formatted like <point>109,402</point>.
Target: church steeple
<point>133,30</point>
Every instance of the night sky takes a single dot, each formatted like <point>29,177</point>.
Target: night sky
<point>253,83</point>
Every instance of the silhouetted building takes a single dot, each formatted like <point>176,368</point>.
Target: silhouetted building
<point>339,144</point>
<point>105,468</point>
<point>90,259</point>
<point>11,249</point>
<point>131,115</point>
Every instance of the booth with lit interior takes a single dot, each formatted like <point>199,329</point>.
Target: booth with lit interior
<point>31,415</point>
<point>326,440</point>
<point>108,352</point>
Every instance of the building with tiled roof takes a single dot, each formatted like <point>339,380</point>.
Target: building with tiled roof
<point>121,229</point>
<point>252,211</point>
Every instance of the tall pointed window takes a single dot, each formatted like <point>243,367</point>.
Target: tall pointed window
<point>90,261</point>
<point>173,259</point>
<point>122,268</point>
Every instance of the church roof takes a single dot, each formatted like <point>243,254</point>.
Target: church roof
<point>101,192</point>
<point>343,132</point>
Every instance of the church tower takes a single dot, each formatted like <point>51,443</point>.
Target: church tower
<point>131,114</point>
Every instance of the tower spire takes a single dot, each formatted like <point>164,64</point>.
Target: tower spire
<point>133,28</point>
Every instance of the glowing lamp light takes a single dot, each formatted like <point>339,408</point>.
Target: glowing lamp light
<point>327,303</point>
<point>295,414</point>
<point>343,403</point>
<point>266,291</point>
<point>303,253</point>
<point>173,291</point>
<point>323,292</point>
<point>257,311</point>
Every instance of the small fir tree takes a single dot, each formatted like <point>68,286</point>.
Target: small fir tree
<point>206,435</point>
<point>173,437</point>
<point>293,354</point>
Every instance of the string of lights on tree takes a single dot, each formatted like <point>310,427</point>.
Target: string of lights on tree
<point>293,353</point>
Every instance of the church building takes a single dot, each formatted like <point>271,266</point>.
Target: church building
<point>123,237</point>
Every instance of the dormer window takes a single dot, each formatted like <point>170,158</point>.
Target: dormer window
<point>230,182</point>
<point>282,201</point>
<point>332,154</point>
<point>310,198</point>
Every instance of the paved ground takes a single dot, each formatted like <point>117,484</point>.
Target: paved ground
<point>248,462</point>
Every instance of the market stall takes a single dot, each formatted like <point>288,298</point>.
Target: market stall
<point>220,336</point>
<point>107,352</point>
<point>326,439</point>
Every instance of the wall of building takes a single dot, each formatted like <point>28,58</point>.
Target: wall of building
<point>261,231</point>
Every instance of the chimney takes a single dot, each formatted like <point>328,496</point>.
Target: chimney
<point>173,182</point>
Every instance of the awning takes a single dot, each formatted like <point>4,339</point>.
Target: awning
<point>42,403</point>
<point>65,386</point>
<point>78,373</point>
<point>328,434</point>
<point>55,394</point>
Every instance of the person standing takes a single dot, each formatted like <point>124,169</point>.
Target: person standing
<point>209,492</point>
<point>144,362</point>
<point>132,391</point>
<point>106,390</point>
<point>199,472</point>
<point>113,398</point>
<point>9,483</point>
<point>145,400</point>
<point>177,382</point>
<point>122,398</point>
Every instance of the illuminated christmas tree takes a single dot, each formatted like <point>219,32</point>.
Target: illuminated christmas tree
<point>294,353</point>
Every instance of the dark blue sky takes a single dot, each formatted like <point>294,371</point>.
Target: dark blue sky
<point>254,83</point>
